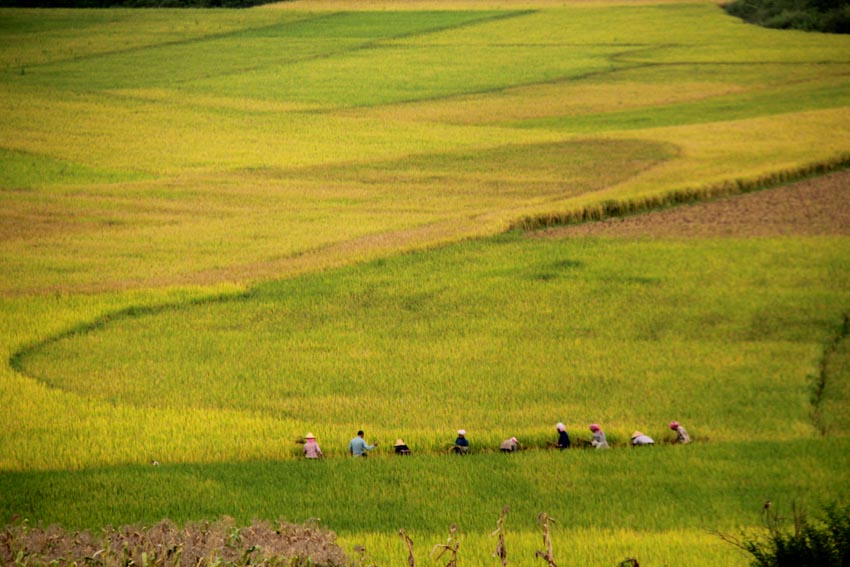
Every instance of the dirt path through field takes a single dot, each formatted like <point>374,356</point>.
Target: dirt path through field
<point>819,206</point>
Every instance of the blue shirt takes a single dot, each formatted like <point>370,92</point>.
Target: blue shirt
<point>358,446</point>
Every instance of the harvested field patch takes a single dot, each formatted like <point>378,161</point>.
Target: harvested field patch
<point>813,207</point>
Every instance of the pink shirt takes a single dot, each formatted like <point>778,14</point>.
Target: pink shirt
<point>311,449</point>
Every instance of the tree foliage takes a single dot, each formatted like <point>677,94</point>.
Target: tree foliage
<point>832,16</point>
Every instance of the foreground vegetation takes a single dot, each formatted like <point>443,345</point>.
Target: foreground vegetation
<point>821,541</point>
<point>222,231</point>
<point>222,543</point>
<point>659,505</point>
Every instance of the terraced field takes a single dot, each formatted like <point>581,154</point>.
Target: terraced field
<point>222,229</point>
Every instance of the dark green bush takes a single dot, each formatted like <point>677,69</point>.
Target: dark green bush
<point>822,543</point>
<point>831,16</point>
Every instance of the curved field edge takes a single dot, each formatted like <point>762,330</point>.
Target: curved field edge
<point>159,432</point>
<point>780,317</point>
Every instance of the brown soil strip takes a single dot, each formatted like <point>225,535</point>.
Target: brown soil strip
<point>813,207</point>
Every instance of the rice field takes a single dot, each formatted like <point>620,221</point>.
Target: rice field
<point>222,229</point>
<point>504,338</point>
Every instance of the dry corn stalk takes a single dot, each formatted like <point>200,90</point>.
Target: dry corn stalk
<point>411,561</point>
<point>452,545</point>
<point>501,552</point>
<point>544,519</point>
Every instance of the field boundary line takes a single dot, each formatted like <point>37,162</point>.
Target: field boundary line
<point>369,44</point>
<point>613,208</point>
<point>15,360</point>
<point>823,375</point>
<point>377,42</point>
<point>167,43</point>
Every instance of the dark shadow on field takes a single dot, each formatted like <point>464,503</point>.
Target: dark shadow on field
<point>709,486</point>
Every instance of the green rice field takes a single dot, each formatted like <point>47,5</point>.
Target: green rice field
<point>222,229</point>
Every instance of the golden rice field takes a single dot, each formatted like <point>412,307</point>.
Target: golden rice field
<point>222,229</point>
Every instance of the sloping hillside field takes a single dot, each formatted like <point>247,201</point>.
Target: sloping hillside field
<point>221,230</point>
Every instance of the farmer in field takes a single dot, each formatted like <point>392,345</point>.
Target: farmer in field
<point>401,447</point>
<point>461,443</point>
<point>598,440</point>
<point>682,436</point>
<point>311,447</point>
<point>640,439</point>
<point>509,445</point>
<point>563,438</point>
<point>358,446</point>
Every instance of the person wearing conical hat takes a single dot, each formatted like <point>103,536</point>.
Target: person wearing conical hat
<point>682,436</point>
<point>311,447</point>
<point>401,447</point>
<point>639,439</point>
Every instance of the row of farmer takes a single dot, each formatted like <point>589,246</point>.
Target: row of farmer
<point>638,438</point>
<point>358,447</point>
<point>598,440</point>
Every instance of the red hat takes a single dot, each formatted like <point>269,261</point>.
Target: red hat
<point>674,425</point>
<point>594,427</point>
